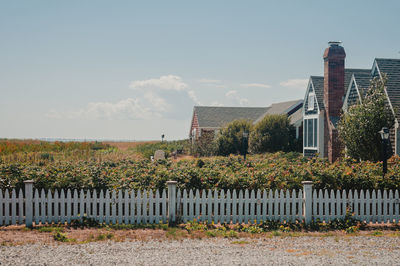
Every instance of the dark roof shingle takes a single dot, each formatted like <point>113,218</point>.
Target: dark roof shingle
<point>391,67</point>
<point>217,116</point>
<point>319,83</point>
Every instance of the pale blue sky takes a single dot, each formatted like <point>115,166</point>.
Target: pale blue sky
<point>135,69</point>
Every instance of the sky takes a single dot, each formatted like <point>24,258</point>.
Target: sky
<point>133,70</point>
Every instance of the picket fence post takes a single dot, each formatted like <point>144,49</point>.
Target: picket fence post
<point>171,202</point>
<point>307,201</point>
<point>28,203</point>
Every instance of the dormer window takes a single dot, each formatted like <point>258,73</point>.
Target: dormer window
<point>311,99</point>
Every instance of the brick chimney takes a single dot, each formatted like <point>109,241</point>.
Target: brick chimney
<point>334,57</point>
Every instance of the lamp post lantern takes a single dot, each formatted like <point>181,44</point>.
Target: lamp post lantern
<point>245,141</point>
<point>162,137</point>
<point>385,137</point>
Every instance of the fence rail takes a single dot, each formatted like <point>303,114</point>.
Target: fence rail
<point>148,207</point>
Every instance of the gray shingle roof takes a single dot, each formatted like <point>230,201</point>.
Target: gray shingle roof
<point>392,68</point>
<point>349,72</point>
<point>319,83</point>
<point>363,81</point>
<point>216,116</point>
<point>297,117</point>
<point>282,108</point>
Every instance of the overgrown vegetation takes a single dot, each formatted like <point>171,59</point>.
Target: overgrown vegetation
<point>266,171</point>
<point>148,149</point>
<point>26,146</point>
<point>358,128</point>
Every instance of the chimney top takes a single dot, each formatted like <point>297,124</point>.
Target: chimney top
<point>334,43</point>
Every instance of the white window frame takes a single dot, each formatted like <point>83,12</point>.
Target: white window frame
<point>311,99</point>
<point>315,137</point>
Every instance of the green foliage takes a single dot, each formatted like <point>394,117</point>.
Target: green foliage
<point>61,237</point>
<point>266,171</point>
<point>230,139</point>
<point>358,128</point>
<point>148,149</point>
<point>273,133</point>
<point>84,223</point>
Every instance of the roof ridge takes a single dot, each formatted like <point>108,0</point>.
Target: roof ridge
<point>382,58</point>
<point>231,106</point>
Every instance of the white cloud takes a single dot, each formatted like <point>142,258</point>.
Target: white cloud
<point>295,83</point>
<point>255,85</point>
<point>231,94</point>
<point>169,82</point>
<point>130,109</point>
<point>235,99</point>
<point>167,97</point>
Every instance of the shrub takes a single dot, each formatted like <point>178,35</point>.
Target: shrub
<point>273,133</point>
<point>230,139</point>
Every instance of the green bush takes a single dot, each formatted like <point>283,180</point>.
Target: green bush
<point>230,139</point>
<point>273,133</point>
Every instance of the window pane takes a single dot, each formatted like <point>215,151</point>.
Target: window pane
<point>310,133</point>
<point>315,133</point>
<point>310,102</point>
<point>305,133</point>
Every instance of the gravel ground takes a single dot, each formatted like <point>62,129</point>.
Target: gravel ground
<point>277,250</point>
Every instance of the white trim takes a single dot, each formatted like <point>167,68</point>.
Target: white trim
<point>311,116</point>
<point>310,83</point>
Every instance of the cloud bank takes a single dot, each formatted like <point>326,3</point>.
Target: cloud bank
<point>164,97</point>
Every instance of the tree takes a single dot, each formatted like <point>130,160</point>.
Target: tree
<point>358,128</point>
<point>230,138</point>
<point>273,133</point>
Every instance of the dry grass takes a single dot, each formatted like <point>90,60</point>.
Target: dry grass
<point>18,235</point>
<point>123,146</point>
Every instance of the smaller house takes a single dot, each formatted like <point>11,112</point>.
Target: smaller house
<point>208,120</point>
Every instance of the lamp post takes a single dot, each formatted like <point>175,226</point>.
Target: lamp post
<point>385,137</point>
<point>245,139</point>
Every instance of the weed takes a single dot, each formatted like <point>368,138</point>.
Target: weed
<point>49,229</point>
<point>377,233</point>
<point>102,237</point>
<point>352,229</point>
<point>211,233</point>
<point>61,237</point>
<point>240,242</point>
<point>276,233</point>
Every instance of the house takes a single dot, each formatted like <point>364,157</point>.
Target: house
<point>329,95</point>
<point>208,120</point>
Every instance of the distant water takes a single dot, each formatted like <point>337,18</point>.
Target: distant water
<point>85,140</point>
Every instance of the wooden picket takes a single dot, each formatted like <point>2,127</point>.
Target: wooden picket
<point>243,206</point>
<point>367,206</point>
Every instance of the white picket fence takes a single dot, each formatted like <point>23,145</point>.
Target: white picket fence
<point>148,207</point>
<point>368,206</point>
<point>240,207</point>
